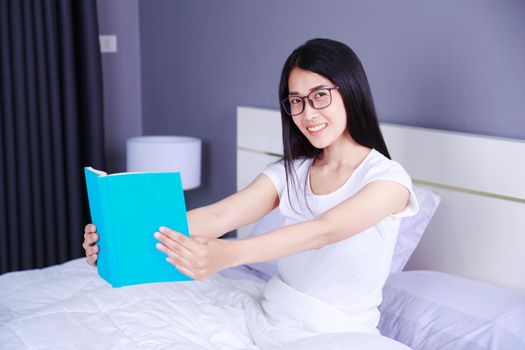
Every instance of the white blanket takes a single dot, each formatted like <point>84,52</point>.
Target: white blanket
<point>69,307</point>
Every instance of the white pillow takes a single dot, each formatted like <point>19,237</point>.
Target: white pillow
<point>413,227</point>
<point>429,310</point>
<point>410,231</point>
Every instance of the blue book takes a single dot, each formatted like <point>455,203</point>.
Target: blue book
<point>127,209</point>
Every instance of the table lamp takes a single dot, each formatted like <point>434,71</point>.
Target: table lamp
<point>166,154</point>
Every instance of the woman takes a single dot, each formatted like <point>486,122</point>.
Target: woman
<point>341,196</point>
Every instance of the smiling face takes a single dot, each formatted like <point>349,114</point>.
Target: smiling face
<point>322,127</point>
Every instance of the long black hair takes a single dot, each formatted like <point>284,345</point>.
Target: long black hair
<point>338,63</point>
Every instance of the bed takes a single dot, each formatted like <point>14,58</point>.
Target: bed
<point>462,284</point>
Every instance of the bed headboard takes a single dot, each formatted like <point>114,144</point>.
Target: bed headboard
<point>478,231</point>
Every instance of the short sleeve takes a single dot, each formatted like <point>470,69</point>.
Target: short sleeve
<point>393,171</point>
<point>277,174</point>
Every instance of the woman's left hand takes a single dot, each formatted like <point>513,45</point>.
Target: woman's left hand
<point>195,256</point>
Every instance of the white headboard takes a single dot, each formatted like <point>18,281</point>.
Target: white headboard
<point>479,229</point>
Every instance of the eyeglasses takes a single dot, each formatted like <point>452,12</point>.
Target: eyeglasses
<point>318,99</point>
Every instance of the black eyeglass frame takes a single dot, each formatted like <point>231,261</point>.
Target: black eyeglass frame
<point>310,102</point>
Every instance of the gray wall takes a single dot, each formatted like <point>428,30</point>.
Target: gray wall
<point>121,78</point>
<point>452,65</point>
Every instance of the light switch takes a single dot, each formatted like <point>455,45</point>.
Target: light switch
<point>108,43</point>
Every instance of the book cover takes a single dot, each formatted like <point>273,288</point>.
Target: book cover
<point>127,209</point>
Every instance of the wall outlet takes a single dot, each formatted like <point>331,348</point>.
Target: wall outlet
<point>108,43</point>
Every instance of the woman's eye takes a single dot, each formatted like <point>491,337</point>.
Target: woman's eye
<point>321,93</point>
<point>295,100</point>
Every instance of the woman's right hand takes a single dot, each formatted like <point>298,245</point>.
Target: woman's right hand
<point>90,244</point>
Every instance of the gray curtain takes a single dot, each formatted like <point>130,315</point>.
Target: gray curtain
<point>51,124</point>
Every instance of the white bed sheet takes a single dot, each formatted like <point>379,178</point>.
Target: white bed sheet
<point>69,307</point>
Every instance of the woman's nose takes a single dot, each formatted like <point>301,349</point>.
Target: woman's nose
<point>309,111</point>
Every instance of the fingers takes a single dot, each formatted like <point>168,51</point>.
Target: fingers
<point>187,254</point>
<point>89,244</point>
<point>90,228</point>
<point>185,264</point>
<point>92,259</point>
<point>177,260</point>
<point>179,255</point>
<point>183,269</point>
<point>167,243</point>
<point>92,250</point>
<point>165,246</point>
<point>179,239</point>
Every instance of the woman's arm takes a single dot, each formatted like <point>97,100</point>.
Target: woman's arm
<point>200,257</point>
<point>369,206</point>
<point>239,209</point>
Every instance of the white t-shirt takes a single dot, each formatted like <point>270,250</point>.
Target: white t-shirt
<point>341,281</point>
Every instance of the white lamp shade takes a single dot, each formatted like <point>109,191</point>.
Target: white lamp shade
<point>166,154</point>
